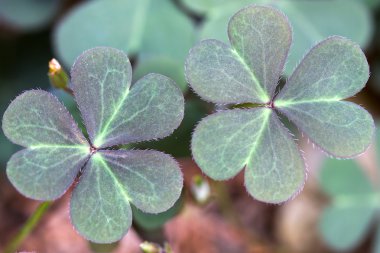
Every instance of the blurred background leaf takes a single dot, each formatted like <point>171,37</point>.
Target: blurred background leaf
<point>143,28</point>
<point>354,202</point>
<point>168,66</point>
<point>28,14</point>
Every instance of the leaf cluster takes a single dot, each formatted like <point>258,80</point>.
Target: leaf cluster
<point>248,71</point>
<point>244,72</point>
<point>114,113</point>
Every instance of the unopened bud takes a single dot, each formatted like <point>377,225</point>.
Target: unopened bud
<point>149,247</point>
<point>57,75</point>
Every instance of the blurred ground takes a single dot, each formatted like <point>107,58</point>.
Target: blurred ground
<point>243,225</point>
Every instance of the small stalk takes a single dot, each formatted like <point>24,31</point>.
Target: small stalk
<point>27,228</point>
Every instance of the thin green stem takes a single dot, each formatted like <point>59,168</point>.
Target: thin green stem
<point>69,91</point>
<point>28,227</point>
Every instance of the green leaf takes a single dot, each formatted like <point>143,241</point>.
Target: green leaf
<point>276,170</point>
<point>261,37</point>
<point>167,66</point>
<point>37,119</point>
<point>354,204</point>
<point>315,20</point>
<point>342,129</point>
<point>100,205</point>
<point>28,14</point>
<point>247,71</point>
<point>56,149</point>
<point>218,74</point>
<point>333,70</point>
<point>144,26</point>
<point>46,173</point>
<point>312,21</point>
<point>225,142</point>
<point>203,6</point>
<point>339,177</point>
<point>343,227</point>
<point>151,109</point>
<point>372,4</point>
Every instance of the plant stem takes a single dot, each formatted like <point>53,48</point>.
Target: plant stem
<point>28,227</point>
<point>69,91</point>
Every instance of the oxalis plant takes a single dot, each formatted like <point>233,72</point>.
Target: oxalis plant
<point>245,73</point>
<point>114,113</point>
<point>248,71</point>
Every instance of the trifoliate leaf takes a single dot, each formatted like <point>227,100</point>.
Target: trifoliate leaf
<point>113,114</point>
<point>151,109</point>
<point>226,142</point>
<point>100,205</point>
